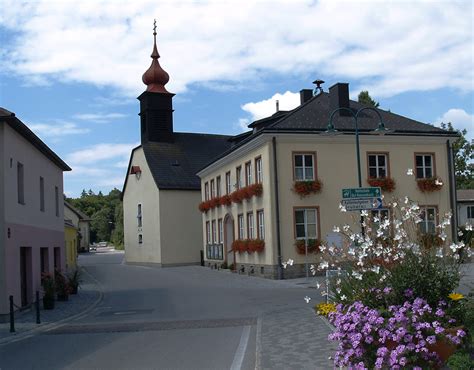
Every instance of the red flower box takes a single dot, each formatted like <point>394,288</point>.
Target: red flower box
<point>304,188</point>
<point>256,245</point>
<point>225,200</point>
<point>205,206</point>
<point>313,246</point>
<point>429,185</point>
<point>237,196</point>
<point>240,246</point>
<point>256,189</point>
<point>214,202</point>
<point>386,183</point>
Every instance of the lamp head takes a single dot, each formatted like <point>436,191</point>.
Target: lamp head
<point>381,129</point>
<point>331,130</point>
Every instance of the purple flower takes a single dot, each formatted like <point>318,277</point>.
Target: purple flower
<point>439,312</point>
<point>402,361</point>
<point>431,339</point>
<point>408,293</point>
<point>461,333</point>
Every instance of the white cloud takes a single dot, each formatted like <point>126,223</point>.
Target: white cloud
<point>100,152</point>
<point>99,117</point>
<point>265,108</point>
<point>242,124</point>
<point>389,47</point>
<point>112,181</point>
<point>58,129</point>
<point>121,164</point>
<point>460,120</point>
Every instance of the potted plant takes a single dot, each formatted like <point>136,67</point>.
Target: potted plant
<point>256,245</point>
<point>62,286</point>
<point>225,200</point>
<point>49,288</point>
<point>305,188</point>
<point>313,246</point>
<point>74,280</point>
<point>204,206</point>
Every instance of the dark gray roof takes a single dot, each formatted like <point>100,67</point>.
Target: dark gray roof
<point>10,119</point>
<point>314,115</point>
<point>465,195</point>
<point>174,165</point>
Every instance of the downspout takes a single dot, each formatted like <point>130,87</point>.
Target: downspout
<point>277,206</point>
<point>452,191</point>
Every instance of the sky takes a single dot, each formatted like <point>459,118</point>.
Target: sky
<point>71,70</point>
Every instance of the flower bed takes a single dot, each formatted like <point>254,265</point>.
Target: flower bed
<point>305,188</point>
<point>429,185</point>
<point>386,184</point>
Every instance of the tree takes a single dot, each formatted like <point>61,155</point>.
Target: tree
<point>463,152</point>
<point>364,98</point>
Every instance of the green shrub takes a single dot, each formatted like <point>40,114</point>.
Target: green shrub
<point>461,361</point>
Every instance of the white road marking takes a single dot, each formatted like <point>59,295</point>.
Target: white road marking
<point>240,353</point>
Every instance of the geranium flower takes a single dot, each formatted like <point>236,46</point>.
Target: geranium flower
<point>455,296</point>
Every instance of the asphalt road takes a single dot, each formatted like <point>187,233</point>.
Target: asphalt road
<point>153,318</point>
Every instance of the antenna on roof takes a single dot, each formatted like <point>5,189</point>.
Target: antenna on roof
<point>277,105</point>
<point>318,89</point>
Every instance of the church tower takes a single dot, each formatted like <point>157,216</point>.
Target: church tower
<point>156,103</point>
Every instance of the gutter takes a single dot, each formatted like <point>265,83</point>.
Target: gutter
<point>452,191</point>
<point>277,206</point>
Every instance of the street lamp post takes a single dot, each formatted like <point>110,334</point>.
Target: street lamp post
<point>380,130</point>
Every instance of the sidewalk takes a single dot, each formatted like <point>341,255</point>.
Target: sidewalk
<point>88,297</point>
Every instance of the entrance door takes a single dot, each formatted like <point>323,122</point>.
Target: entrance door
<point>25,274</point>
<point>229,239</point>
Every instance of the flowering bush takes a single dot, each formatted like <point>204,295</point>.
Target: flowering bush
<point>429,185</point>
<point>205,206</point>
<point>248,245</point>
<point>403,335</point>
<point>324,309</point>
<point>240,245</point>
<point>393,286</point>
<point>225,200</point>
<point>386,183</point>
<point>305,188</point>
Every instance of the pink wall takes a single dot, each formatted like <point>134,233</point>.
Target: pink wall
<point>35,238</point>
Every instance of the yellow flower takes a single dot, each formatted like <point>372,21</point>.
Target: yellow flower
<point>324,309</point>
<point>456,296</point>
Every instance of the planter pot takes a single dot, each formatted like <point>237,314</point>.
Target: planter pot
<point>48,303</point>
<point>444,347</point>
<point>63,297</point>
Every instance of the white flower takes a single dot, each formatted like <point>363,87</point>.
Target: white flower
<point>323,265</point>
<point>336,229</point>
<point>439,183</point>
<point>318,285</point>
<point>394,204</point>
<point>460,233</point>
<point>342,208</point>
<point>468,227</point>
<point>290,262</point>
<point>343,297</point>
<point>364,213</point>
<point>410,172</point>
<point>439,253</point>
<point>307,299</point>
<point>406,200</point>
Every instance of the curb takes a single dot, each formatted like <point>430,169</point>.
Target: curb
<point>258,343</point>
<point>54,325</point>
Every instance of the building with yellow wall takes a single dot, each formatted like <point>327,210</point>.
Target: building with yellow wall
<point>70,240</point>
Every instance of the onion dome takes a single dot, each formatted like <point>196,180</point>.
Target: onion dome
<point>155,77</point>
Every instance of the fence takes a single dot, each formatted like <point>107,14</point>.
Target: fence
<point>12,311</point>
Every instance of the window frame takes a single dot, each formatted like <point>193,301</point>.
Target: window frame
<point>387,164</point>
<point>20,179</point>
<point>248,173</point>
<point>258,173</point>
<point>250,225</point>
<point>220,231</point>
<point>139,215</point>
<point>240,226</point>
<point>208,232</point>
<point>304,153</point>
<point>206,191</point>
<point>218,186</point>
<point>433,165</point>
<point>470,209</point>
<point>214,231</point>
<point>228,183</point>
<point>238,177</point>
<point>318,222</point>
<point>424,208</point>
<point>260,224</point>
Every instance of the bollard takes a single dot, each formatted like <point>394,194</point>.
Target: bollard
<point>38,321</point>
<point>12,316</point>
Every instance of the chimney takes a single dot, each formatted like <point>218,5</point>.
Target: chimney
<point>339,97</point>
<point>305,95</point>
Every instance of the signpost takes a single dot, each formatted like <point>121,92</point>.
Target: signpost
<point>358,199</point>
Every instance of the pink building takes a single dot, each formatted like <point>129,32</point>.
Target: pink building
<point>31,212</point>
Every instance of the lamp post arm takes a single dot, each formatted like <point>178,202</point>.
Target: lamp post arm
<point>371,109</point>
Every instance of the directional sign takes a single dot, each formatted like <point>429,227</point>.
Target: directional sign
<point>361,193</point>
<point>362,204</point>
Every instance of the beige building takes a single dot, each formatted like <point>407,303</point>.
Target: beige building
<point>31,212</point>
<point>82,224</point>
<point>161,193</point>
<point>302,172</point>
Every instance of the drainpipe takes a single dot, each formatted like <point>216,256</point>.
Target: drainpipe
<point>453,201</point>
<point>277,206</point>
